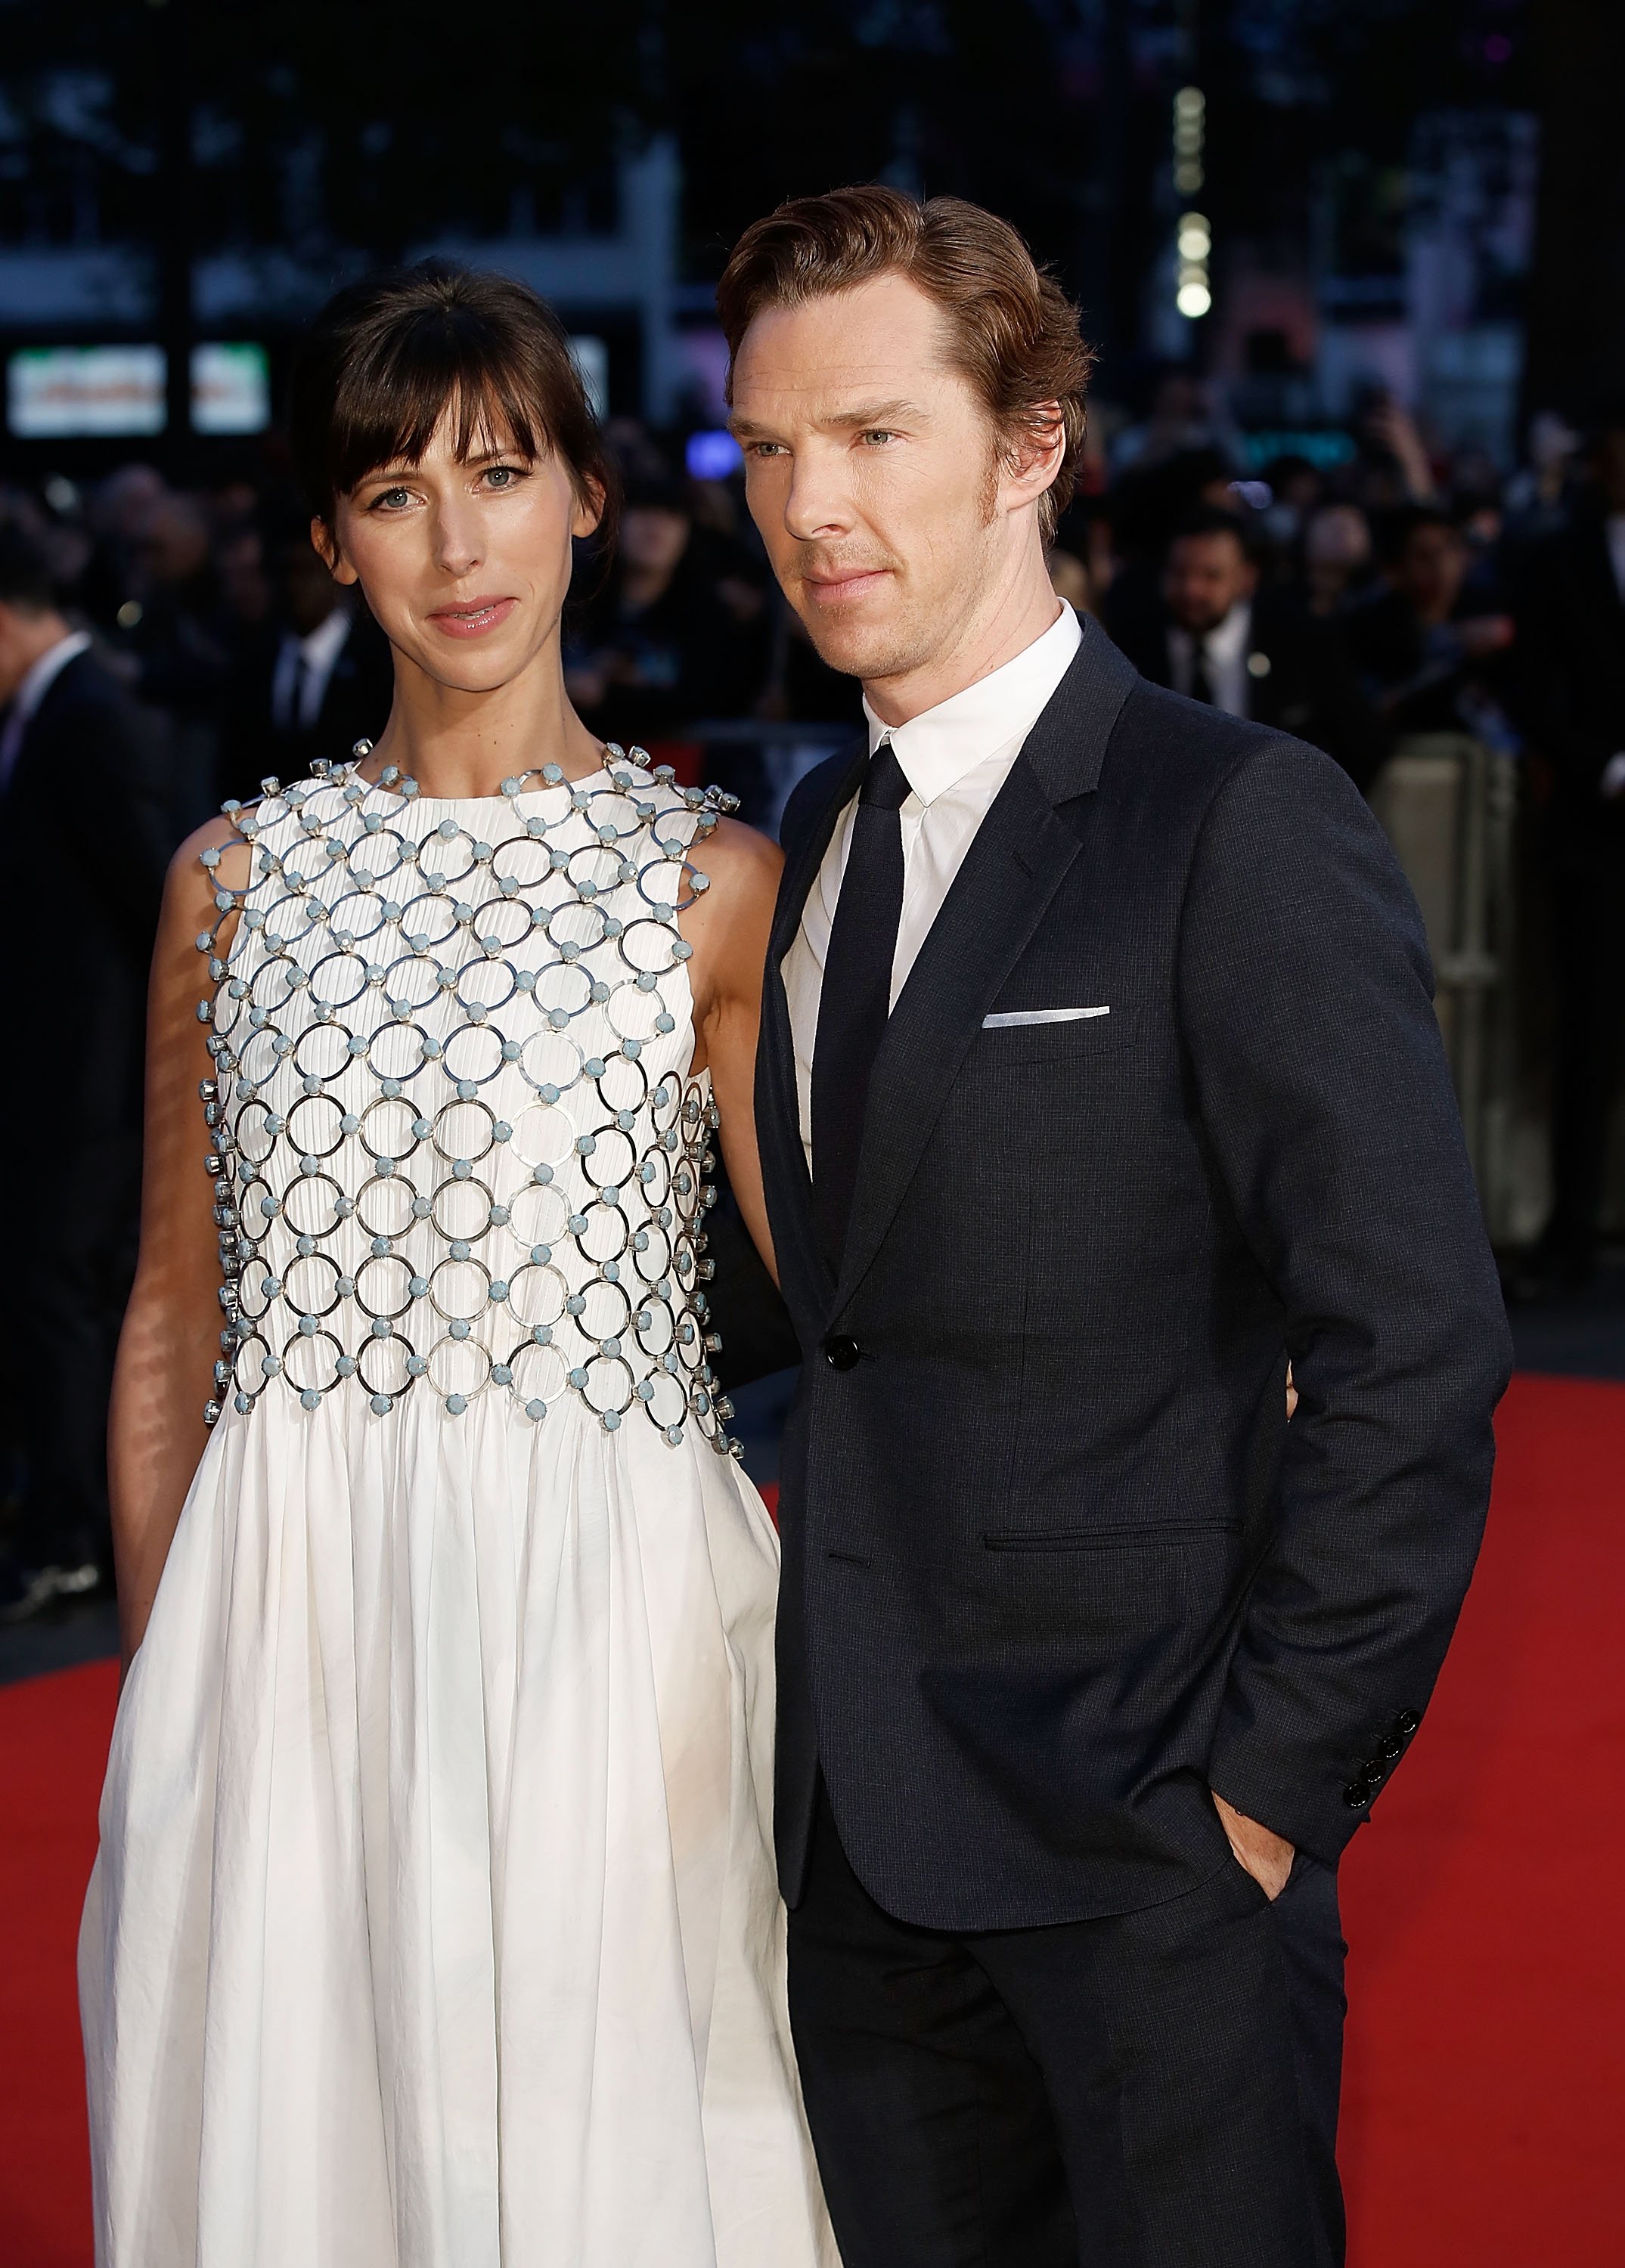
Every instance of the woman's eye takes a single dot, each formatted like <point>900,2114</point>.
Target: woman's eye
<point>391,499</point>
<point>502,477</point>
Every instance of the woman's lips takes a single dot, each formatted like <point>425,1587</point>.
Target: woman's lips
<point>472,618</point>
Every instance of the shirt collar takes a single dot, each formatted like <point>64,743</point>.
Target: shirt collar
<point>1232,638</point>
<point>45,672</point>
<point>939,747</point>
<point>320,648</point>
<point>1226,641</point>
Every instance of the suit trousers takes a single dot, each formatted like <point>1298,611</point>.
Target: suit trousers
<point>1155,2090</point>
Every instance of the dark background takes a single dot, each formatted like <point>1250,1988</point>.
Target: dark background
<point>166,169</point>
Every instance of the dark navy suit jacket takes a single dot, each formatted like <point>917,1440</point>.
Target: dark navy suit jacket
<point>1054,1563</point>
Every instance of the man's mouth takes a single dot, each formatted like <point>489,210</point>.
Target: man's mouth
<point>469,618</point>
<point>843,585</point>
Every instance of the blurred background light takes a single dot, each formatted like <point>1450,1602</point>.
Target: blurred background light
<point>712,454</point>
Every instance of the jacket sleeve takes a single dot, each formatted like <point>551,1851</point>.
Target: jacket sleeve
<point>1325,1102</point>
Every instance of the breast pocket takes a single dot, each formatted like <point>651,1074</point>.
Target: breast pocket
<point>1010,1037</point>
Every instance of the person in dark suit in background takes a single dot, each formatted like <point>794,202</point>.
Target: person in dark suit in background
<point>1099,1080</point>
<point>85,838</point>
<point>1430,648</point>
<point>662,644</point>
<point>1258,654</point>
<point>319,679</point>
<point>1572,700</point>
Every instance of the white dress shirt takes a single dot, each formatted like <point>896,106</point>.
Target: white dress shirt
<point>304,664</point>
<point>956,758</point>
<point>1226,649</point>
<point>34,689</point>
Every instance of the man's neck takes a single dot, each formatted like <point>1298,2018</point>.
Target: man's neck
<point>1018,612</point>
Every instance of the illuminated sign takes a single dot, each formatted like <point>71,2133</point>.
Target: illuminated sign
<point>53,392</point>
<point>63,392</point>
<point>231,389</point>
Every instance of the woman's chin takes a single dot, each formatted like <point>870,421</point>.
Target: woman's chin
<point>486,667</point>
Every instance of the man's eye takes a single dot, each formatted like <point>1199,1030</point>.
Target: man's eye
<point>876,435</point>
<point>767,448</point>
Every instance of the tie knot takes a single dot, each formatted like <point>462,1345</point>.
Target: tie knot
<point>885,784</point>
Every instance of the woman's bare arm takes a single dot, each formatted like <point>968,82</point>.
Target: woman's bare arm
<point>171,1338</point>
<point>728,928</point>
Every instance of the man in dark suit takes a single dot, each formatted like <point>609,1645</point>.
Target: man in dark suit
<point>1099,1080</point>
<point>1571,676</point>
<point>318,680</point>
<point>1215,636</point>
<point>83,790</point>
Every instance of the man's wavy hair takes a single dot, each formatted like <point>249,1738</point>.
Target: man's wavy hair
<point>1013,331</point>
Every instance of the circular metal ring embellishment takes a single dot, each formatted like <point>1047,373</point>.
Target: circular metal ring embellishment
<point>455,1144</point>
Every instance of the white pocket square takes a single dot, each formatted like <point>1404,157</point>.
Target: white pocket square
<point>1009,1016</point>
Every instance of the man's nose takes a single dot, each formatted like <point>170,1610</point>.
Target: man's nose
<point>819,503</point>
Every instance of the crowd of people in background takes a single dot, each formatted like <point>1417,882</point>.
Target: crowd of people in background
<point>162,650</point>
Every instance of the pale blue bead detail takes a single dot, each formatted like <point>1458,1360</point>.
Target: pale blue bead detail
<point>578,923</point>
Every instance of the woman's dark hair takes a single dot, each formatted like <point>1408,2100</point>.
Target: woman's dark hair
<point>387,358</point>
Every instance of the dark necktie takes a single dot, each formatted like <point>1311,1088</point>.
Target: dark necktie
<point>856,998</point>
<point>1201,683</point>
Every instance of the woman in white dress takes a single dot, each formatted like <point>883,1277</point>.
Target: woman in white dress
<point>434,1924</point>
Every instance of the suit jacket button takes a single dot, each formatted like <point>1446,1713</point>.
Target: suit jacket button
<point>1373,1773</point>
<point>841,1351</point>
<point>1355,1796</point>
<point>1406,1723</point>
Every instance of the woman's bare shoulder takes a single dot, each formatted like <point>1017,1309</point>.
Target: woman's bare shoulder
<point>214,857</point>
<point>739,861</point>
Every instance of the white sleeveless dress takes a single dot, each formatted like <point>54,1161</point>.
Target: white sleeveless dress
<point>434,1924</point>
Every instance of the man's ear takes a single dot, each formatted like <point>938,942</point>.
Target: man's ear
<point>325,545</point>
<point>1035,454</point>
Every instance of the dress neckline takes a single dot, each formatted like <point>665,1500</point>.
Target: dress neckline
<point>536,780</point>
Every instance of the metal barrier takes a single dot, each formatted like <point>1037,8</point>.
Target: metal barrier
<point>1448,805</point>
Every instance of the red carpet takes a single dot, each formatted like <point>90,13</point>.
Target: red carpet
<point>1485,2090</point>
<point>1486,2077</point>
<point>53,1747</point>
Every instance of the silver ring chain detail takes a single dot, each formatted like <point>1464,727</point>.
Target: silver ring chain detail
<point>455,1144</point>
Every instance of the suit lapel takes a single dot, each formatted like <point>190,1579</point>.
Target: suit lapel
<point>779,1120</point>
<point>1012,871</point>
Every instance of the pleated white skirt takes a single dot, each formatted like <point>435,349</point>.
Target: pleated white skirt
<point>434,1924</point>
